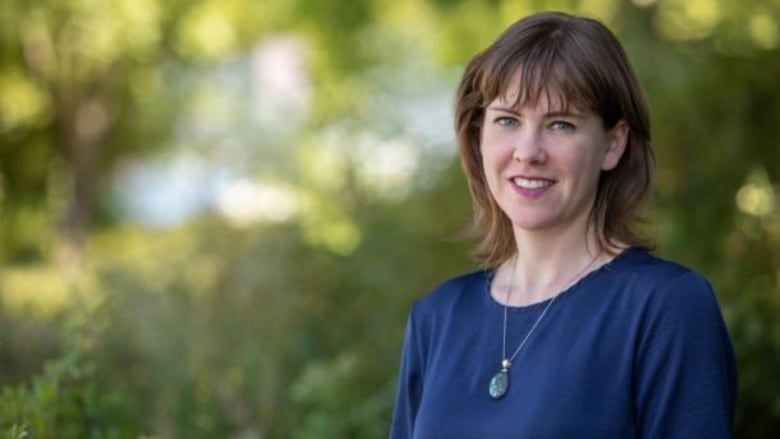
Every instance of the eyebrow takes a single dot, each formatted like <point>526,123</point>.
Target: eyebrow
<point>557,113</point>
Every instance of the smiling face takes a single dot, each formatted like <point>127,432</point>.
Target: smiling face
<point>542,161</point>
<point>580,60</point>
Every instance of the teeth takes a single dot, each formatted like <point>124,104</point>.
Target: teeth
<point>531,184</point>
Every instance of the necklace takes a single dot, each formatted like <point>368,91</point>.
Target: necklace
<point>499,384</point>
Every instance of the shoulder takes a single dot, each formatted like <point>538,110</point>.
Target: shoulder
<point>666,295</point>
<point>452,292</point>
<point>652,276</point>
<point>649,288</point>
<point>647,267</point>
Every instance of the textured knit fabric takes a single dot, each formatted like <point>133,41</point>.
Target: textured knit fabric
<point>635,349</point>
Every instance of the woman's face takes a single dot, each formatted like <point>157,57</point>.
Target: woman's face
<point>543,163</point>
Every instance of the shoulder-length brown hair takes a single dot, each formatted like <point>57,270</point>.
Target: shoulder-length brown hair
<point>581,60</point>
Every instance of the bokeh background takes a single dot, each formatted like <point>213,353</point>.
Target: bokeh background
<point>215,214</point>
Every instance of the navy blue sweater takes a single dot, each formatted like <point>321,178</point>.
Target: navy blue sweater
<point>635,349</point>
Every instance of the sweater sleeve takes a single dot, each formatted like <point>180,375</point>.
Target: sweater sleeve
<point>409,385</point>
<point>685,384</point>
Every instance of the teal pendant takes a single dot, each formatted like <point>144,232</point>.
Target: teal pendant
<point>499,384</point>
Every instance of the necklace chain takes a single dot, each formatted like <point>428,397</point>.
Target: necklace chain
<point>499,384</point>
<point>574,280</point>
<point>506,362</point>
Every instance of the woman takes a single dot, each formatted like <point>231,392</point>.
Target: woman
<point>574,330</point>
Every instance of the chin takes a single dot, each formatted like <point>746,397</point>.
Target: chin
<point>531,224</point>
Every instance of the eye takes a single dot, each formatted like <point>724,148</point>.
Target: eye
<point>506,122</point>
<point>562,126</point>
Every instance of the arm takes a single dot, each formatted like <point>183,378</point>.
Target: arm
<point>409,385</point>
<point>685,384</point>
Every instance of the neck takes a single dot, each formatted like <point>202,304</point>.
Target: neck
<point>547,263</point>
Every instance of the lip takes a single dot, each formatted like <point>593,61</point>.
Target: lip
<point>528,192</point>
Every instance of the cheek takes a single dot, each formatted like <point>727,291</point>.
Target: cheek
<point>491,164</point>
<point>489,136</point>
<point>585,167</point>
<point>490,170</point>
<point>493,148</point>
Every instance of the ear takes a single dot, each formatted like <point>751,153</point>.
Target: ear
<point>617,139</point>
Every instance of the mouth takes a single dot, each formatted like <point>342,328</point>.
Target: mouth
<point>529,187</point>
<point>532,183</point>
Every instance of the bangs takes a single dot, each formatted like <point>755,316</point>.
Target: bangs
<point>538,73</point>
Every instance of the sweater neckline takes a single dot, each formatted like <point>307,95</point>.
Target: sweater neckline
<point>490,273</point>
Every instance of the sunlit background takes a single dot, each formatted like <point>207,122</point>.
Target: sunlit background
<point>215,214</point>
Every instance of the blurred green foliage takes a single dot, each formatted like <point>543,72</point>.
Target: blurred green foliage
<point>278,309</point>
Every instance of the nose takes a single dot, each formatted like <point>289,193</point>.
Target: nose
<point>528,147</point>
